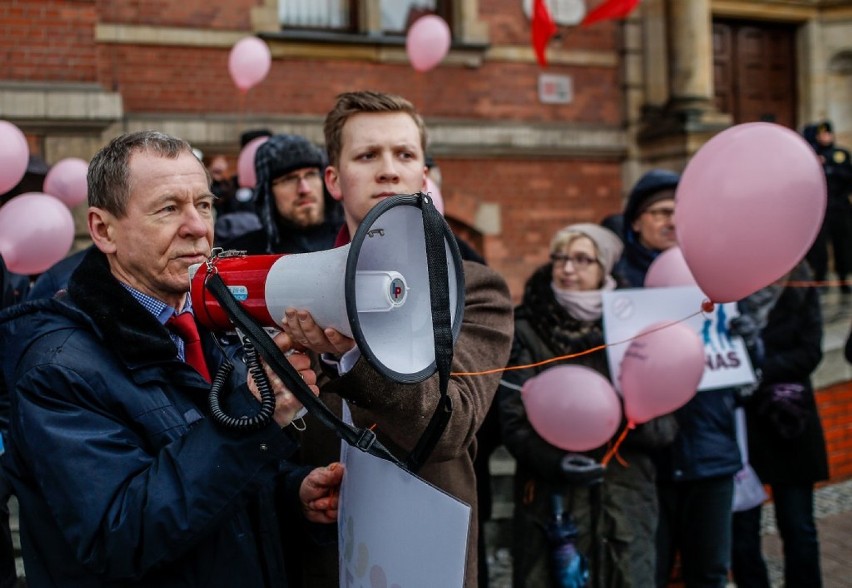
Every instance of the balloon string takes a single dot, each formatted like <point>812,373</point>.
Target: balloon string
<point>614,449</point>
<point>573,355</point>
<point>816,284</point>
<point>242,110</point>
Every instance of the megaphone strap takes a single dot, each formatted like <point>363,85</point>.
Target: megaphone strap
<point>433,232</point>
<point>363,439</point>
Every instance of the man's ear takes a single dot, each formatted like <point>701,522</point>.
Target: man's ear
<point>635,225</point>
<point>332,182</point>
<point>101,229</point>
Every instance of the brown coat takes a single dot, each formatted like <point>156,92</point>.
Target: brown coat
<point>401,412</point>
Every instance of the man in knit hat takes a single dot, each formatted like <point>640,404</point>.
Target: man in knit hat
<point>295,212</point>
<point>648,225</point>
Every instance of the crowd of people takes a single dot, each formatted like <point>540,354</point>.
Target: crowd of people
<point>124,479</point>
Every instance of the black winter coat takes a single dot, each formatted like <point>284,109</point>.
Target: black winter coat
<point>121,477</point>
<point>793,350</point>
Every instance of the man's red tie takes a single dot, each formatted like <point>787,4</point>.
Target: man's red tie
<point>184,326</point>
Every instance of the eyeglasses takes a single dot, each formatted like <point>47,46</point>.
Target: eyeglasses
<point>579,261</point>
<point>661,213</point>
<point>294,179</point>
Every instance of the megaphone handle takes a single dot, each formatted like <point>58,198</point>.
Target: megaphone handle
<point>363,439</point>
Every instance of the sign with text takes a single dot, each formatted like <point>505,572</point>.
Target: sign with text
<point>626,312</point>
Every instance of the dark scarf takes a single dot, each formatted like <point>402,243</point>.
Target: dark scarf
<point>560,331</point>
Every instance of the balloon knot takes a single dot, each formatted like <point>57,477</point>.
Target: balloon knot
<point>707,306</point>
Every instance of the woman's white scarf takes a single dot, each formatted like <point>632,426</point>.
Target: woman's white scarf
<point>583,305</point>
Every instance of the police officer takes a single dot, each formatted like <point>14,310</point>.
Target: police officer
<point>837,225</point>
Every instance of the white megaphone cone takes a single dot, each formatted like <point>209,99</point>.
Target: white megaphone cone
<point>376,289</point>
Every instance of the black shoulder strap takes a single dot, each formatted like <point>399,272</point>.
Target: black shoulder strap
<point>436,260</point>
<point>363,439</point>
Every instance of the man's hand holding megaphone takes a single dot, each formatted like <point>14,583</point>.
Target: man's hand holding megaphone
<point>286,404</point>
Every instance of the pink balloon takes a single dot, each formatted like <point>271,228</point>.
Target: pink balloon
<point>246,176</point>
<point>249,62</point>
<point>427,42</point>
<point>435,192</point>
<point>36,231</point>
<point>748,207</point>
<point>572,407</point>
<point>660,371</point>
<point>14,156</point>
<point>66,180</point>
<point>669,269</point>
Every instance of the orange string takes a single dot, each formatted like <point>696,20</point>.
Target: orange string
<point>815,284</point>
<point>614,449</point>
<point>571,355</point>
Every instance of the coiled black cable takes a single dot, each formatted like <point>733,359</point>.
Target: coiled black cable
<point>267,396</point>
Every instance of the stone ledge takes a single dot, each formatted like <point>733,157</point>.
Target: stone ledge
<point>51,105</point>
<point>469,138</point>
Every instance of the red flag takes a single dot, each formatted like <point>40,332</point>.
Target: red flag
<point>543,29</point>
<point>610,9</point>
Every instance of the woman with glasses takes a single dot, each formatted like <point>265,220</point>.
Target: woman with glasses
<point>614,510</point>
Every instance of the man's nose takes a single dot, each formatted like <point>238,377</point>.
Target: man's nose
<point>388,170</point>
<point>194,224</point>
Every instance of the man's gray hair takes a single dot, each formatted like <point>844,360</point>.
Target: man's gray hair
<point>109,171</point>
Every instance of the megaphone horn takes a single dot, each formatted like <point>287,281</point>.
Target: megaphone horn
<point>376,289</point>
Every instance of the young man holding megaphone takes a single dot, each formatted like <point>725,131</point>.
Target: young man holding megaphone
<point>376,144</point>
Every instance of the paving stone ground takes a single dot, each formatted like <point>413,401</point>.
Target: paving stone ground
<point>833,508</point>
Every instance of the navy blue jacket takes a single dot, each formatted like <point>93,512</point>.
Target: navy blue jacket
<point>122,479</point>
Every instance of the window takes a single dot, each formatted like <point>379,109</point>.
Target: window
<point>353,16</point>
<point>366,21</point>
<point>397,15</point>
<point>317,14</point>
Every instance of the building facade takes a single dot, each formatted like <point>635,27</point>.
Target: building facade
<point>523,149</point>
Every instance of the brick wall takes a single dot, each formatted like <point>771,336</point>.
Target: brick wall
<point>536,198</point>
<point>55,41</point>
<point>47,41</point>
<point>835,408</point>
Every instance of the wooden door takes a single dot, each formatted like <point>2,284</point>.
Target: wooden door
<point>755,71</point>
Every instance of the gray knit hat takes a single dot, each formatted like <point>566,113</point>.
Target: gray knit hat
<point>608,244</point>
<point>281,154</point>
<point>275,157</point>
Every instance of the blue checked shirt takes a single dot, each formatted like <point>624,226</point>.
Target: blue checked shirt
<point>162,312</point>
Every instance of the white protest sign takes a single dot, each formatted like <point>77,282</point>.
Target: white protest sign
<point>626,312</point>
<point>396,530</point>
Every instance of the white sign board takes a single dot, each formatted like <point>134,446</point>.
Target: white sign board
<point>626,312</point>
<point>555,89</point>
<point>396,530</point>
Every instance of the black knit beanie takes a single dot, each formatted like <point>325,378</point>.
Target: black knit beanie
<point>646,189</point>
<point>275,157</point>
